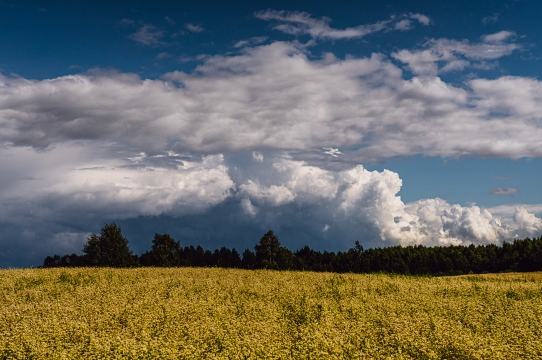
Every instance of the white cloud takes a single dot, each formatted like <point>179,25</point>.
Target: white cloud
<point>112,186</point>
<point>302,23</point>
<point>256,40</point>
<point>458,225</point>
<point>364,202</point>
<point>422,19</point>
<point>454,65</point>
<point>113,145</point>
<point>508,210</point>
<point>422,63</point>
<point>456,55</point>
<point>162,55</point>
<point>274,195</point>
<point>499,37</point>
<point>148,35</point>
<point>515,98</point>
<point>333,152</point>
<point>504,191</point>
<point>490,19</point>
<point>54,198</point>
<point>274,97</point>
<point>257,156</point>
<point>526,224</point>
<point>404,25</point>
<point>248,207</point>
<point>194,28</point>
<point>50,201</point>
<point>484,65</point>
<point>127,22</point>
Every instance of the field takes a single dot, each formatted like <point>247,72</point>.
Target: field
<point>198,313</point>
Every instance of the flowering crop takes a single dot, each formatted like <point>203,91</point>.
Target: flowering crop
<point>237,314</point>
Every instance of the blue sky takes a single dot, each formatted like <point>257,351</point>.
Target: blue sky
<point>385,122</point>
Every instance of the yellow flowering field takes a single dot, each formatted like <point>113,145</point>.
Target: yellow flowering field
<point>202,313</point>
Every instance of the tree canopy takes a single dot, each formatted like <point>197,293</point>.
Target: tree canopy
<point>110,248</point>
<point>267,251</point>
<point>165,251</point>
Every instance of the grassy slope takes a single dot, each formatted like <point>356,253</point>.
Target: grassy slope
<point>206,313</point>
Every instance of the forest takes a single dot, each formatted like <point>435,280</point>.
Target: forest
<point>110,249</point>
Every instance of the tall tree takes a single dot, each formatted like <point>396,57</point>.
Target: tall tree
<point>267,251</point>
<point>108,249</point>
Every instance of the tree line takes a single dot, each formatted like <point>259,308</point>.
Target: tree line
<point>110,248</point>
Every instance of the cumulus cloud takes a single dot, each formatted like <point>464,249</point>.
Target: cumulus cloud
<point>517,97</point>
<point>508,210</point>
<point>108,145</point>
<point>148,35</point>
<point>248,207</point>
<point>504,191</point>
<point>53,199</point>
<point>302,23</point>
<point>273,96</point>
<point>273,195</point>
<point>366,202</point>
<point>116,187</point>
<point>76,187</point>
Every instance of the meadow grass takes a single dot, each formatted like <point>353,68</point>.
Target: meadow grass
<point>199,313</point>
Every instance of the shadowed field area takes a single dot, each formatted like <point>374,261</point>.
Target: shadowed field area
<point>226,313</point>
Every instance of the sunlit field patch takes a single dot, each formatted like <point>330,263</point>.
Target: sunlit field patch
<point>217,313</point>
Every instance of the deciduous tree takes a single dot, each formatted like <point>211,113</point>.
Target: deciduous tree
<point>110,248</point>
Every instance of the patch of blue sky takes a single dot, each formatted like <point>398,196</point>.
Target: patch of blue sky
<point>467,180</point>
<point>46,40</point>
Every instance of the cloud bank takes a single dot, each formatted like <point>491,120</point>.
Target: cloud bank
<point>275,97</point>
<point>333,208</point>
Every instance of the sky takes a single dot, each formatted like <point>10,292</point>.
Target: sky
<point>387,122</point>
